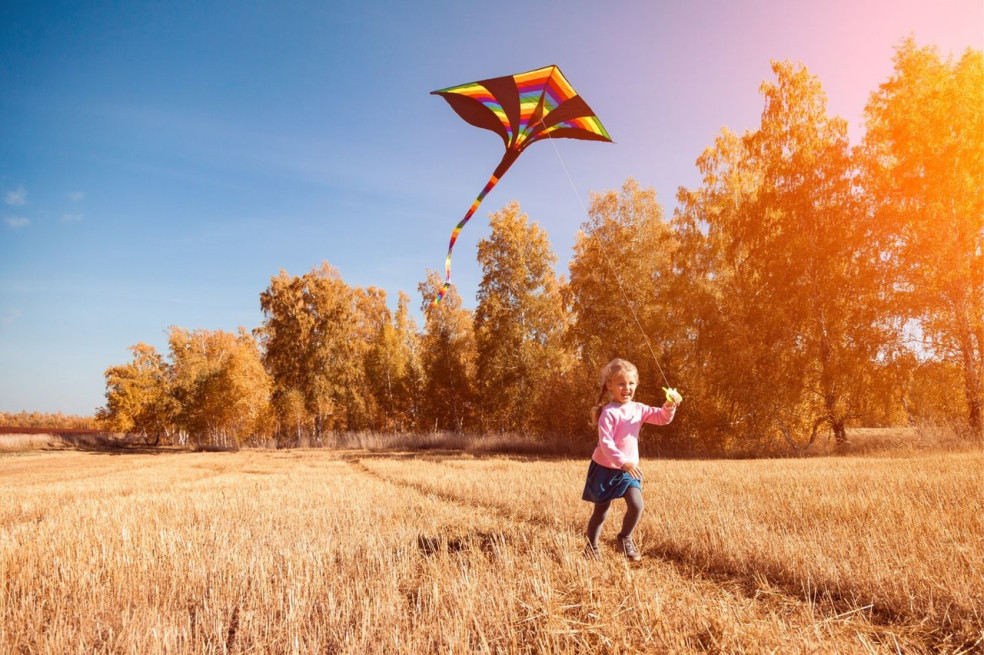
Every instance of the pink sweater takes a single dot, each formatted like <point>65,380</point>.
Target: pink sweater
<point>618,431</point>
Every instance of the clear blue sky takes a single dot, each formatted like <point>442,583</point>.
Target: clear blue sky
<point>159,162</point>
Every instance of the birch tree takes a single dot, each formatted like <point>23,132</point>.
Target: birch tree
<point>519,322</point>
<point>788,288</point>
<point>924,173</point>
<point>139,395</point>
<point>447,359</point>
<point>313,350</point>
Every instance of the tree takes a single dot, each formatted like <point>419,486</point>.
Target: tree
<point>139,395</point>
<point>924,173</point>
<point>313,350</point>
<point>622,294</point>
<point>519,322</point>
<point>393,369</point>
<point>368,400</point>
<point>220,385</point>
<point>411,381</point>
<point>447,359</point>
<point>788,295</point>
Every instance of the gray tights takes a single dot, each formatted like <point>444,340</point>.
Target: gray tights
<point>633,512</point>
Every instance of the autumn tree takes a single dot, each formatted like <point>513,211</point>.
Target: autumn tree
<point>139,395</point>
<point>728,350</point>
<point>411,381</point>
<point>787,288</point>
<point>220,385</point>
<point>623,293</point>
<point>447,359</point>
<point>393,369</point>
<point>621,280</point>
<point>924,173</point>
<point>367,401</point>
<point>519,322</point>
<point>313,351</point>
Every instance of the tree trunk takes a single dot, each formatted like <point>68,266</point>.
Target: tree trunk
<point>971,357</point>
<point>840,434</point>
<point>975,403</point>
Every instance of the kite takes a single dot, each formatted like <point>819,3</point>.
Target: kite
<point>522,109</point>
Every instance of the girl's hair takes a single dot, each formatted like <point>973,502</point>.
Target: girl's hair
<point>608,371</point>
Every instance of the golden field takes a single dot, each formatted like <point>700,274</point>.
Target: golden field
<point>318,551</point>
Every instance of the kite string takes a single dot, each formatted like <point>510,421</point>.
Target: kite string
<point>618,279</point>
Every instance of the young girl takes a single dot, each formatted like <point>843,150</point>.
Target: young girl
<point>614,471</point>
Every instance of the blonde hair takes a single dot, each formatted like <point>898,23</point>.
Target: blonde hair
<point>608,371</point>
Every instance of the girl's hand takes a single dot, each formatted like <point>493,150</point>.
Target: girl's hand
<point>632,470</point>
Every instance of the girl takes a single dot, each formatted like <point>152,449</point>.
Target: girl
<point>614,471</point>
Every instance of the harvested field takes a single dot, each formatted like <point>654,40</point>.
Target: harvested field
<point>355,551</point>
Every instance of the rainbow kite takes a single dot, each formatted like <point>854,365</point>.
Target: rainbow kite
<point>522,109</point>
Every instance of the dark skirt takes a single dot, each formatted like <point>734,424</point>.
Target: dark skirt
<point>605,484</point>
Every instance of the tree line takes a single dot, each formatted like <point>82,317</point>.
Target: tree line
<point>47,421</point>
<point>803,287</point>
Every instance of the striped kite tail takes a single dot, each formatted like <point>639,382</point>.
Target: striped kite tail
<point>500,170</point>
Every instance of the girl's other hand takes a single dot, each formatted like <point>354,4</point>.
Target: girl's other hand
<point>632,470</point>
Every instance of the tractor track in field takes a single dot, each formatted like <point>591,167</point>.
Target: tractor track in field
<point>356,463</point>
<point>885,626</point>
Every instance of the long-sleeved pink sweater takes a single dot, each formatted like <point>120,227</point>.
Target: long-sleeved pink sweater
<point>618,431</point>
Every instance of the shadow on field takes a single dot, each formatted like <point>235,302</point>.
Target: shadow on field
<point>110,445</point>
<point>22,440</point>
<point>101,443</point>
<point>490,543</point>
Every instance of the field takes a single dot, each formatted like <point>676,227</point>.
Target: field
<point>318,551</point>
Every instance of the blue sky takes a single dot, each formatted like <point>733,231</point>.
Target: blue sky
<point>159,162</point>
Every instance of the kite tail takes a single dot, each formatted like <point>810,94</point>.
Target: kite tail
<point>500,170</point>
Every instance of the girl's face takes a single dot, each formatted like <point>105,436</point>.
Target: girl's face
<point>622,386</point>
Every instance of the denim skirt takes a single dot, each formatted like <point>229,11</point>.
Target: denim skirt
<point>605,484</point>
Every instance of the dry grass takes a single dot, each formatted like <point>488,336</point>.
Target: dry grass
<point>14,443</point>
<point>914,441</point>
<point>354,552</point>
